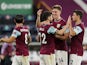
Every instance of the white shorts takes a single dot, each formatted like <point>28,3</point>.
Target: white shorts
<point>75,59</point>
<point>61,57</point>
<point>47,59</point>
<point>20,60</point>
<point>53,59</point>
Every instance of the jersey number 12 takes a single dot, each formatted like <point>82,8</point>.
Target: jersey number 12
<point>43,38</point>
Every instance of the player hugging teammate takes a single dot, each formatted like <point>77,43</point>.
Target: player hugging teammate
<point>53,32</point>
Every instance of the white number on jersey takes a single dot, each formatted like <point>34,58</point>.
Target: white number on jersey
<point>43,38</point>
<point>26,39</point>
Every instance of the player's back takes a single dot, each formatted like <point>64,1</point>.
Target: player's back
<point>21,41</point>
<point>47,40</point>
<point>60,44</point>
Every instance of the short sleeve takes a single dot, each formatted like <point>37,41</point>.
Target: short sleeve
<point>77,30</point>
<point>16,33</point>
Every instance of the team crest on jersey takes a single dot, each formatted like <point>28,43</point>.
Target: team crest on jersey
<point>58,25</point>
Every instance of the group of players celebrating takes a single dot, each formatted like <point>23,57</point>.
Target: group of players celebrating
<point>53,32</point>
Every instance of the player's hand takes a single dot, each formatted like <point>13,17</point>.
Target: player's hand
<point>39,12</point>
<point>1,40</point>
<point>69,21</point>
<point>51,30</point>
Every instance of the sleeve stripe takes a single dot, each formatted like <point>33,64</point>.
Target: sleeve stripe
<point>16,33</point>
<point>78,30</point>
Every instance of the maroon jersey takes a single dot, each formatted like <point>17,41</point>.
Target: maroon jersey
<point>47,40</point>
<point>21,40</point>
<point>77,40</point>
<point>60,44</point>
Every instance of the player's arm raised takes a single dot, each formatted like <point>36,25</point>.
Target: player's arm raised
<point>72,32</point>
<point>38,22</point>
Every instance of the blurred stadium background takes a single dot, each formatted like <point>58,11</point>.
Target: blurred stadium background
<point>28,8</point>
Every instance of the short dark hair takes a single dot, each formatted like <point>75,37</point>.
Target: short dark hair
<point>19,18</point>
<point>45,15</point>
<point>57,7</point>
<point>78,12</point>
